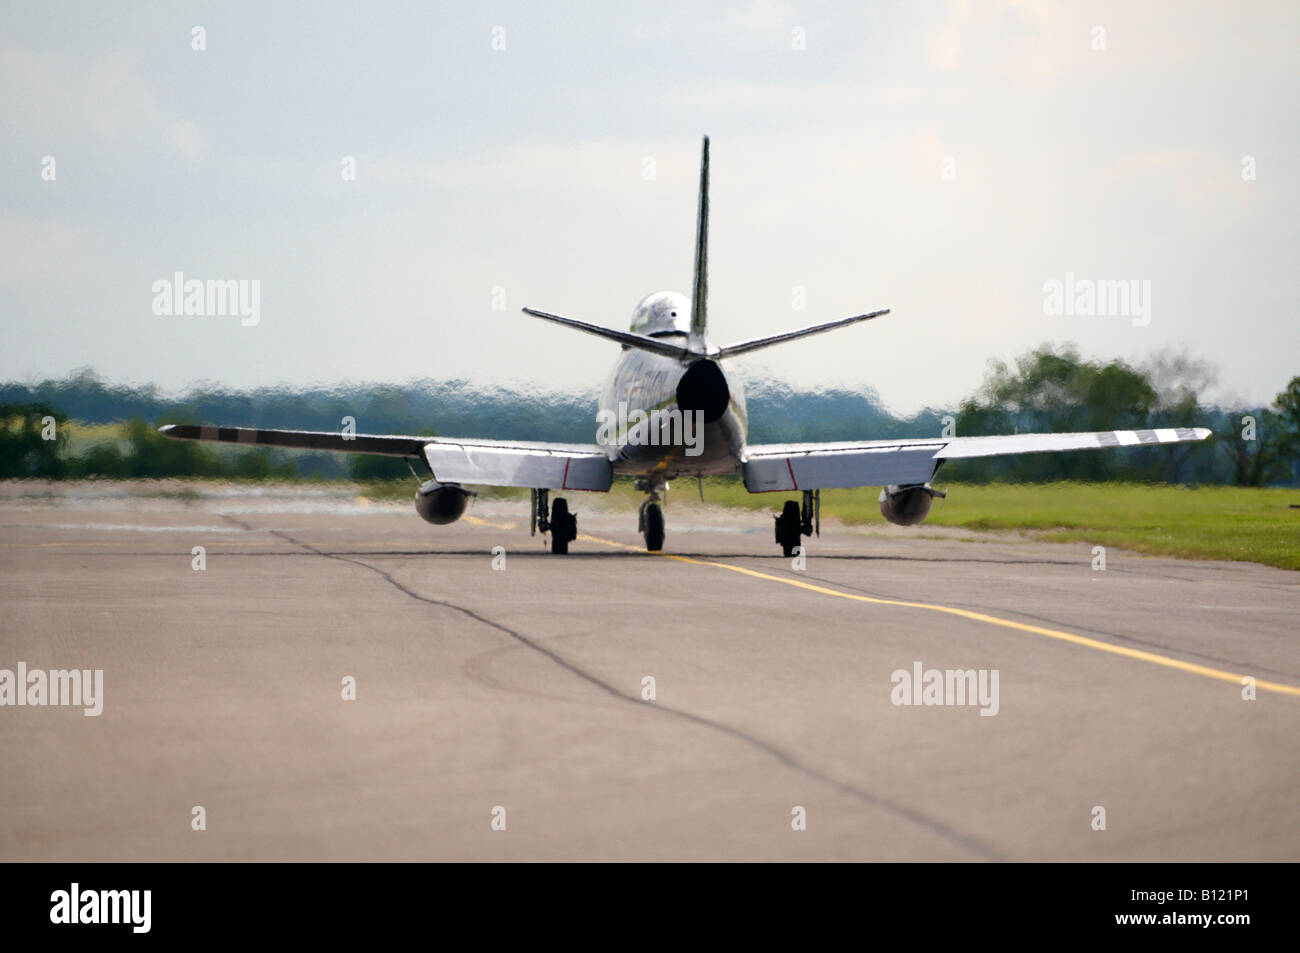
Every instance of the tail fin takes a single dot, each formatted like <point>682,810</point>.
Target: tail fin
<point>695,344</point>
<point>700,289</point>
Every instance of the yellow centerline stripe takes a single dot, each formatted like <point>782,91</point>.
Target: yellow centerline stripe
<point>479,521</point>
<point>1139,654</point>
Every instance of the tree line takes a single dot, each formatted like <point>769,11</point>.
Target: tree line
<point>1048,389</point>
<point>1053,389</point>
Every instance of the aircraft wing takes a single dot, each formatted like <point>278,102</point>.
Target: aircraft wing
<point>825,466</point>
<point>533,464</point>
<point>389,445</point>
<point>541,466</point>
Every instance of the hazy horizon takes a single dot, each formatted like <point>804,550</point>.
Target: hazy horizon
<point>948,162</point>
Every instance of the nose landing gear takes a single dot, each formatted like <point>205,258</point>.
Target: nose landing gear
<point>650,517</point>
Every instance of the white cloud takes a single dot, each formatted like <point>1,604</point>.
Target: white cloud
<point>826,173</point>
<point>56,98</point>
<point>945,44</point>
<point>73,96</point>
<point>1198,180</point>
<point>36,251</point>
<point>188,140</point>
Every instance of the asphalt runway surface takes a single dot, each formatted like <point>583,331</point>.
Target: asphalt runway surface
<point>521,688</point>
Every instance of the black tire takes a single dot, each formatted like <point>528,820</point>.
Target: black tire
<point>564,527</point>
<point>654,528</point>
<point>788,528</point>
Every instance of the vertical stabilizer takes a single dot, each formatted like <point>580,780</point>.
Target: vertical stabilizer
<point>700,289</point>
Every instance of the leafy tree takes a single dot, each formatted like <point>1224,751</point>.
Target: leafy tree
<point>1251,447</point>
<point>1287,405</point>
<point>1052,389</point>
<point>102,460</point>
<point>156,456</point>
<point>25,450</point>
<point>366,467</point>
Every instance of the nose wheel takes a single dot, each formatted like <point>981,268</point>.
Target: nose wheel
<point>652,526</point>
<point>650,517</point>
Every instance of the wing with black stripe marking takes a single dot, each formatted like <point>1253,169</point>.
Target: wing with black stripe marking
<point>534,464</point>
<point>389,445</point>
<point>825,466</point>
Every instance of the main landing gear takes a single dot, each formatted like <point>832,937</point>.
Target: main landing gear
<point>650,517</point>
<point>561,524</point>
<point>795,522</point>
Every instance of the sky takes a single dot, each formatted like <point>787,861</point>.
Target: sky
<point>947,161</point>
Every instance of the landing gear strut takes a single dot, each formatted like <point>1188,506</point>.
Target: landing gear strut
<point>650,517</point>
<point>561,524</point>
<point>537,518</point>
<point>797,521</point>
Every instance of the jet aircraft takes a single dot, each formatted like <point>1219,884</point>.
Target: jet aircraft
<point>670,410</point>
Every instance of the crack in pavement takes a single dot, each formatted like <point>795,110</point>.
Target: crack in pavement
<point>786,759</point>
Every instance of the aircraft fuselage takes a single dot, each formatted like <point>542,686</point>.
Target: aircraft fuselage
<point>661,418</point>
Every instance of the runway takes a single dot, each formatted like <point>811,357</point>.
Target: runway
<point>521,687</point>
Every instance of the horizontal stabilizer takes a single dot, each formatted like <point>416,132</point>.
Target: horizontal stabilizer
<point>744,347</point>
<point>627,338</point>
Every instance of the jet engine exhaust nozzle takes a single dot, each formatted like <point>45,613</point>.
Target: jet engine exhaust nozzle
<point>704,388</point>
